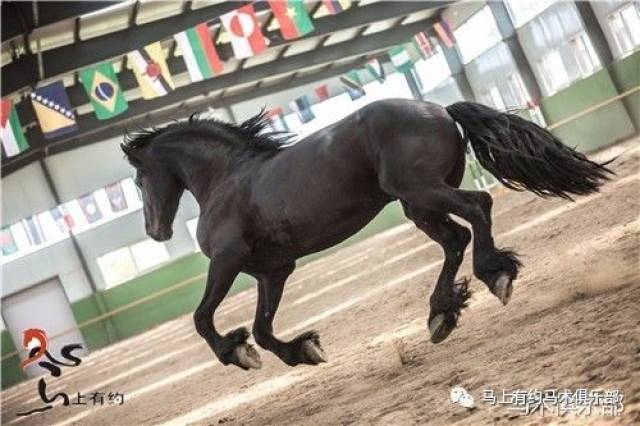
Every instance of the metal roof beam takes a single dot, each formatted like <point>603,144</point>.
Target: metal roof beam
<point>68,58</point>
<point>90,128</point>
<point>48,13</point>
<point>185,110</point>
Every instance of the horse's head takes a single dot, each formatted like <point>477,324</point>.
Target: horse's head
<point>161,189</point>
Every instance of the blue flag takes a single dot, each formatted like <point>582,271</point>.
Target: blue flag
<point>303,107</point>
<point>53,110</point>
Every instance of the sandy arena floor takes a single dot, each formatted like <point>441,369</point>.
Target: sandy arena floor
<point>573,322</point>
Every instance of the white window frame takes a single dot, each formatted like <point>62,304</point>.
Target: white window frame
<point>551,71</point>
<point>584,54</point>
<point>477,34</point>
<point>627,42</point>
<point>432,71</point>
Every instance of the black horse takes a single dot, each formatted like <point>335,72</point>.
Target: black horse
<point>265,202</point>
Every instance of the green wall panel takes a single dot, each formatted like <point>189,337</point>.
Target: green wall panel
<point>588,132</point>
<point>95,335</point>
<point>11,373</point>
<point>626,74</point>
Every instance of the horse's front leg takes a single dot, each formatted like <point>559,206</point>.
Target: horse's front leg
<point>303,349</point>
<point>231,348</point>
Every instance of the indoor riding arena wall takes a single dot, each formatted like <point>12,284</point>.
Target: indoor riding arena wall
<point>587,133</point>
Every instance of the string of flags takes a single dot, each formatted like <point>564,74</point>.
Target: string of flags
<point>40,228</point>
<point>56,116</point>
<point>403,57</point>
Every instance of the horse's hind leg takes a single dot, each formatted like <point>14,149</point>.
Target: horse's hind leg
<point>303,349</point>
<point>495,267</point>
<point>448,297</point>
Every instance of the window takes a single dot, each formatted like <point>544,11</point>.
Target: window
<point>625,26</point>
<point>127,262</point>
<point>149,253</point>
<point>493,97</point>
<point>585,55</point>
<point>477,35</point>
<point>522,11</point>
<point>433,70</point>
<point>117,267</point>
<point>552,71</point>
<point>518,92</point>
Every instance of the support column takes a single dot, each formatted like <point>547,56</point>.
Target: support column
<point>102,308</point>
<point>457,72</point>
<point>601,46</point>
<point>413,84</point>
<point>230,113</point>
<point>593,30</point>
<point>510,37</point>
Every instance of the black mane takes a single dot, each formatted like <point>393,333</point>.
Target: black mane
<point>252,134</point>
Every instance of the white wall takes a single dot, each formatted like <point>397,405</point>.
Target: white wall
<point>56,260</point>
<point>602,9</point>
<point>25,193</point>
<point>74,173</point>
<point>88,168</point>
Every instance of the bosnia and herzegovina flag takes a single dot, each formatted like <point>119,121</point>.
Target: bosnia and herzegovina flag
<point>151,71</point>
<point>102,86</point>
<point>292,17</point>
<point>53,110</point>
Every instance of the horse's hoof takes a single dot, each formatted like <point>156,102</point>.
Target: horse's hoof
<point>247,357</point>
<point>313,352</point>
<point>503,288</point>
<point>439,328</point>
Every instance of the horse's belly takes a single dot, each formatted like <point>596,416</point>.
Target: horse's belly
<point>297,238</point>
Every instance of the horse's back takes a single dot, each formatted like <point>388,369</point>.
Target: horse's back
<point>413,143</point>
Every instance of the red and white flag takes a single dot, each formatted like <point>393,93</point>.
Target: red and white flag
<point>244,32</point>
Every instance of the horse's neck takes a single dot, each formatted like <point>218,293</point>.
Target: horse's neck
<point>201,174</point>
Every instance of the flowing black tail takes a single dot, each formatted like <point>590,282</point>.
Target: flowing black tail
<point>524,156</point>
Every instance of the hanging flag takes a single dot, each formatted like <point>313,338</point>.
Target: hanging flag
<point>13,140</point>
<point>102,86</point>
<point>322,92</point>
<point>444,32</point>
<point>63,218</point>
<point>375,68</point>
<point>151,71</point>
<point>336,6</point>
<point>351,81</point>
<point>303,107</point>
<point>116,197</point>
<point>198,52</point>
<point>276,115</point>
<point>421,41</point>
<point>53,110</point>
<point>401,58</point>
<point>90,208</point>
<point>293,18</point>
<point>244,31</point>
<point>7,243</point>
<point>33,230</point>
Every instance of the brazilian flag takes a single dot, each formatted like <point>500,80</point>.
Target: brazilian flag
<point>102,86</point>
